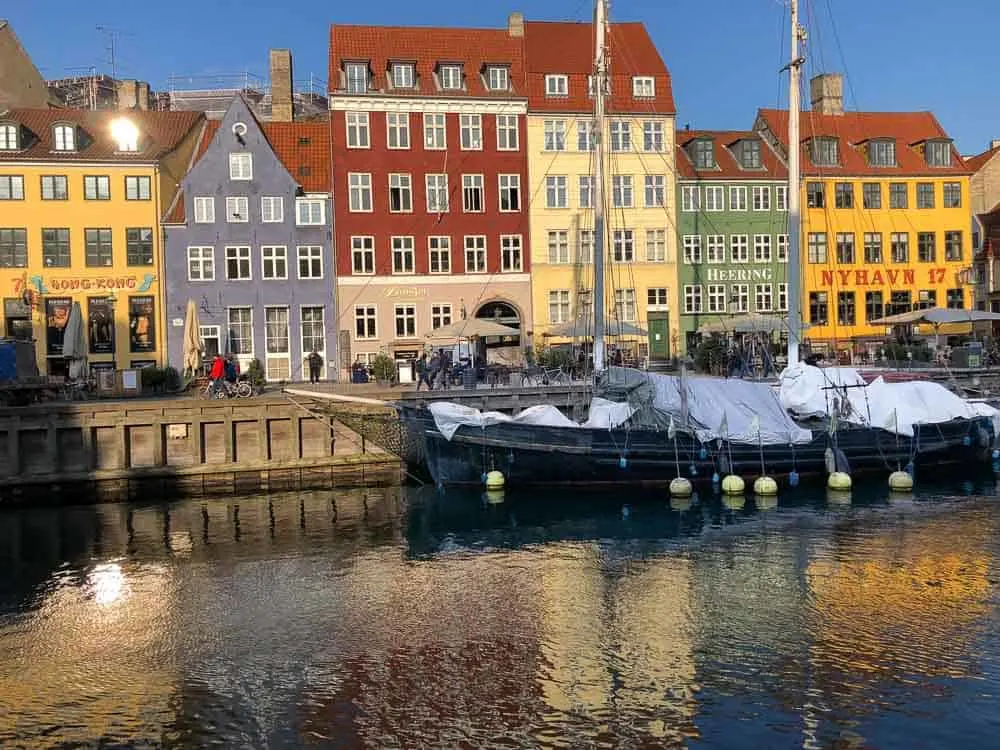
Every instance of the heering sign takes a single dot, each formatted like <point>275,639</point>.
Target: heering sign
<point>740,274</point>
<point>878,277</point>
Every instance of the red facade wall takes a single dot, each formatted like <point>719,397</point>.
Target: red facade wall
<point>380,161</point>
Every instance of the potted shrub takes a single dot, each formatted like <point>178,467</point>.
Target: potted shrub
<point>385,369</point>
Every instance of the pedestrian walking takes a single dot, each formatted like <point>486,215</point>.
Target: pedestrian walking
<point>315,365</point>
<point>423,371</point>
<point>435,369</point>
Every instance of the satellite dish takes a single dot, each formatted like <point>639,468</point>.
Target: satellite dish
<point>239,129</point>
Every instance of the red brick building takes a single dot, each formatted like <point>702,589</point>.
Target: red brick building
<point>428,137</point>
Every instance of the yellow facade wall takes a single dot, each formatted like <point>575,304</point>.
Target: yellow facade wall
<point>888,276</point>
<point>639,275</point>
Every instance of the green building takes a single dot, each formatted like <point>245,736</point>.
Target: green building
<point>732,223</point>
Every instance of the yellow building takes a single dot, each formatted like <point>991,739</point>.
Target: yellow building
<point>81,197</point>
<point>885,217</point>
<point>640,270</point>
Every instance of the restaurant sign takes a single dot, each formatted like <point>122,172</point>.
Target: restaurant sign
<point>879,277</point>
<point>100,283</point>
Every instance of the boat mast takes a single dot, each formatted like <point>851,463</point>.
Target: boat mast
<point>794,218</point>
<point>600,88</point>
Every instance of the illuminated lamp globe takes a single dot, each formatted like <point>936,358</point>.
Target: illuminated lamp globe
<point>126,134</point>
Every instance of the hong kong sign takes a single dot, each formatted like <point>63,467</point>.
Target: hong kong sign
<point>97,283</point>
<point>879,277</point>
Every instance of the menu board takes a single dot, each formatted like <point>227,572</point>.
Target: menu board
<point>56,316</point>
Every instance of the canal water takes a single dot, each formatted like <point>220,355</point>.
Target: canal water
<point>404,618</point>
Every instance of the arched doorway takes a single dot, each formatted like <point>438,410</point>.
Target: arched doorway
<point>502,349</point>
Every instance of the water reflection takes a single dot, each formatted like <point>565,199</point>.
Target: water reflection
<point>410,618</point>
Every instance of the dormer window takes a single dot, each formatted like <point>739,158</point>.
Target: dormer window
<point>750,154</point>
<point>825,152</point>
<point>556,84</point>
<point>450,76</point>
<point>8,137</point>
<point>498,77</point>
<point>356,74</point>
<point>403,75</point>
<point>938,153</point>
<point>643,87</point>
<point>882,152</point>
<point>703,154</point>
<point>64,137</point>
<point>125,134</point>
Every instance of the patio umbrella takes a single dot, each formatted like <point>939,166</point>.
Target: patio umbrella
<point>936,316</point>
<point>472,328</point>
<point>193,346</point>
<point>748,323</point>
<point>75,343</point>
<point>584,328</point>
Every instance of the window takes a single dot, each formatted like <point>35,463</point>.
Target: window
<point>55,248</point>
<point>313,330</point>
<point>873,306</point>
<point>402,255</point>
<point>623,246</point>
<point>955,299</point>
<point>274,262</point>
<point>782,297</point>
<point>238,263</point>
<point>556,85</point>
<point>204,210</point>
<point>241,330</point>
<point>357,77</point>
<point>740,298</point>
<point>11,188</point>
<point>498,78</point>
<point>64,137</point>
<point>825,152</point>
<point>98,247</point>
<point>435,132</point>
<point>586,191</point>
<point>310,261</point>
<point>819,310</point>
<point>55,187</point>
<point>139,246</point>
<point>559,246</point>
<point>586,136</point>
<point>782,248</point>
<point>450,77</point>
<point>781,197</point>
<point>472,193</point>
<point>750,154</point>
<point>358,135</point>
<point>507,132</point>
<point>737,198</point>
<point>692,298</point>
<point>926,248</point>
<point>815,195</point>
<point>926,299</point>
<point>704,153</point>
<point>692,248</point>
<point>845,247</point>
<point>925,195</point>
<point>882,153</point>
<point>690,198</point>
<point>237,209</point>
<point>471,128</point>
<point>761,198</point>
<point>211,336</point>
<point>310,211</point>
<point>656,245</point>
<point>137,188</point>
<point>403,75</point>
<point>899,246</point>
<point>621,191</point>
<point>873,247</point>
<point>364,322</point>
<point>440,316</point>
<point>554,133</point>
<point>656,298</point>
<point>14,247</point>
<point>272,209</point>
<point>510,192</point>
<point>716,298</point>
<point>952,195</point>
<point>816,247</point>
<point>277,363</point>
<point>844,195</point>
<point>625,305</point>
<point>643,87</point>
<point>715,248</point>
<point>899,302</point>
<point>938,153</point>
<point>739,248</point>
<point>953,246</point>
<point>360,191</point>
<point>475,254</point>
<point>8,138</point>
<point>585,246</point>
<point>871,195</point>
<point>621,135</point>
<point>397,126</point>
<point>845,308</point>
<point>241,166</point>
<point>510,253</point>
<point>559,306</point>
<point>897,195</point>
<point>762,248</point>
<point>363,255</point>
<point>439,249</point>
<point>763,297</point>
<point>715,198</point>
<point>555,191</point>
<point>652,136</point>
<point>201,263</point>
<point>97,188</point>
<point>400,194</point>
<point>437,193</point>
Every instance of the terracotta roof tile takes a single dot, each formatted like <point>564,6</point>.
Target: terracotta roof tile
<point>977,162</point>
<point>852,129</point>
<point>728,168</point>
<point>160,133</point>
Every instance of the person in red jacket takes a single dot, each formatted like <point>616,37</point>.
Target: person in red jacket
<point>218,372</point>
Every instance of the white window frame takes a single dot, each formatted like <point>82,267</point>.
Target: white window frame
<point>621,136</point>
<point>586,135</point>
<point>509,185</point>
<point>643,87</point>
<point>435,131</point>
<point>622,191</point>
<point>476,243</point>
<point>738,198</point>
<point>740,296</point>
<point>585,246</point>
<point>439,246</point>
<point>8,137</point>
<point>241,166</point>
<point>556,84</point>
<point>693,299</point>
<point>64,138</point>
<point>237,209</point>
<point>782,301</point>
<point>498,78</point>
<point>554,135</point>
<point>470,128</point>
<point>363,249</point>
<point>268,214</point>
<point>359,187</point>
<point>715,198</point>
<point>656,245</point>
<point>470,184</point>
<point>239,256</point>
<point>782,248</point>
<point>763,297</point>
<point>739,248</point>
<point>655,188</point>
<point>761,198</point>
<point>441,314</point>
<point>368,314</point>
<point>691,244</point>
<point>450,77</point>
<point>652,136</point>
<point>586,196</point>
<point>559,303</point>
<point>397,131</point>
<point>358,127</point>
<point>404,255</point>
<point>762,248</point>
<point>304,348</point>
<point>204,257</point>
<point>715,248</point>
<point>278,358</point>
<point>310,212</point>
<point>556,191</point>
<point>623,246</point>
<point>508,133</point>
<point>403,75</point>
<point>690,198</point>
<point>511,246</point>
<point>716,298</point>
<point>625,306</point>
<point>313,257</point>
<point>436,193</point>
<point>402,182</point>
<point>781,197</point>
<point>351,79</point>
<point>229,327</point>
<point>206,213</point>
<point>275,255</point>
<point>558,247</point>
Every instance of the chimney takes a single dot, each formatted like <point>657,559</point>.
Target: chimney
<point>995,143</point>
<point>127,93</point>
<point>281,85</point>
<point>827,90</point>
<point>515,24</point>
<point>142,96</point>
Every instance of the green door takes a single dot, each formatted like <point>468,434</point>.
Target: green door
<point>658,325</point>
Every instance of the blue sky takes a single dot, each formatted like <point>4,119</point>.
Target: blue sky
<point>723,54</point>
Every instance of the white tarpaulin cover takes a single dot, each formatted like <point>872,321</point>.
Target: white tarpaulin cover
<point>448,417</point>
<point>604,415</point>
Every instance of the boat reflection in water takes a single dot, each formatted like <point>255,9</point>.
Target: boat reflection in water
<point>412,618</point>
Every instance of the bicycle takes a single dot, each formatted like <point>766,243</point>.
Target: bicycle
<point>239,389</point>
<point>541,376</point>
